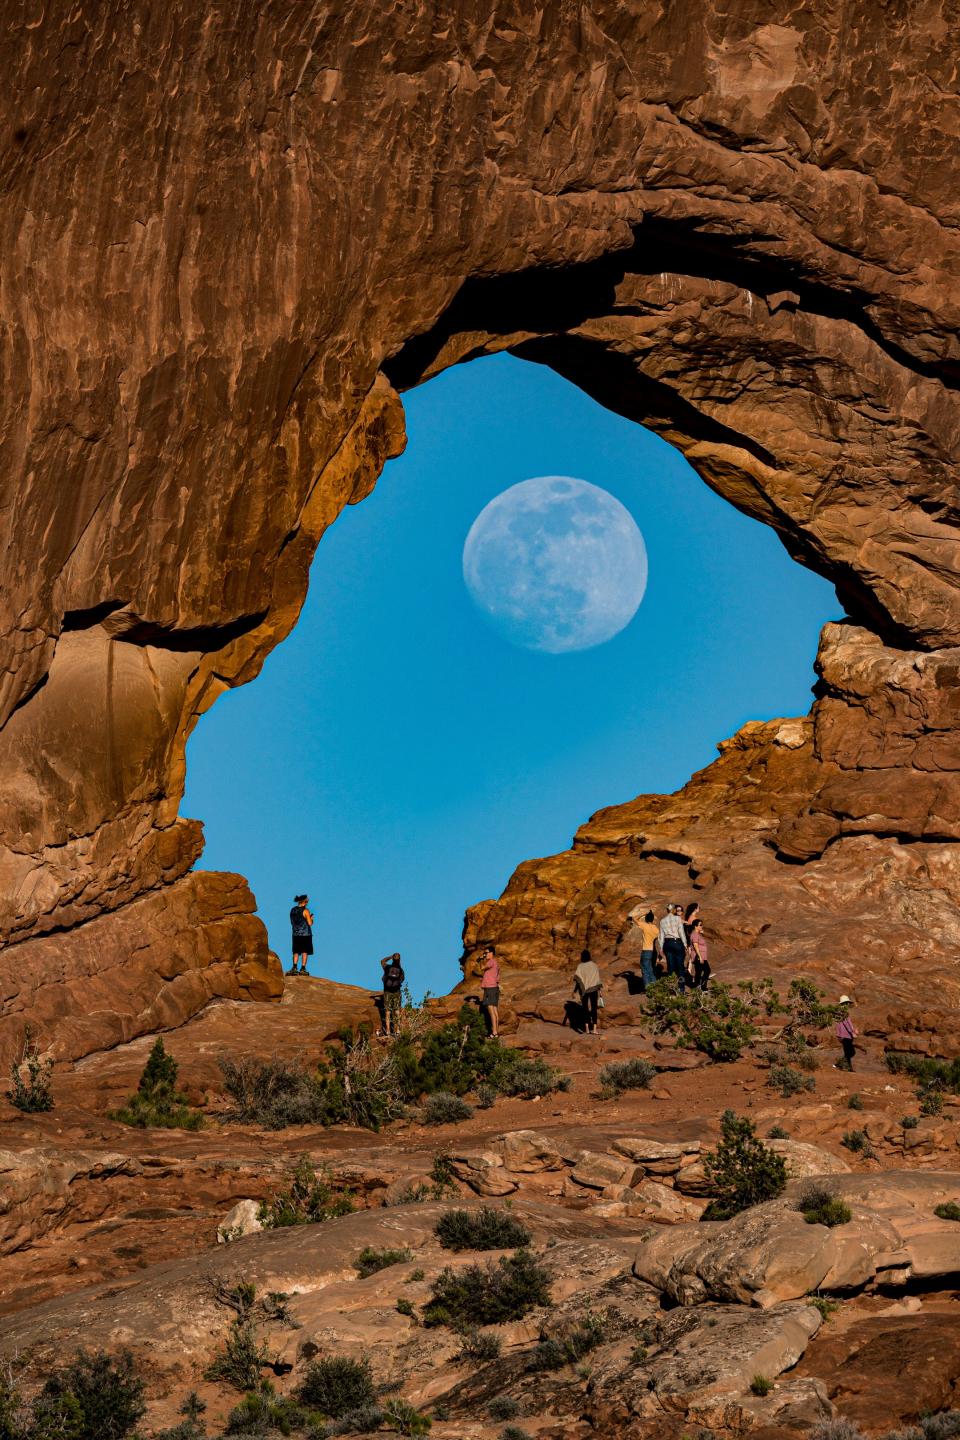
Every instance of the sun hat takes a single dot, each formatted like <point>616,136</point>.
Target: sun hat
<point>844,1000</point>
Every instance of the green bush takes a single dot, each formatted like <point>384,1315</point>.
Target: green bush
<point>33,1095</point>
<point>157,1103</point>
<point>94,1397</point>
<point>272,1093</point>
<point>307,1200</point>
<point>189,1428</point>
<point>479,1346</point>
<point>454,1057</point>
<point>760,1385</point>
<point>242,1356</point>
<point>857,1141</point>
<point>742,1170</point>
<point>931,1100</point>
<point>820,1205</point>
<point>910,1122</point>
<point>714,1021</point>
<point>943,1074</point>
<point>777,1132</point>
<point>569,1345</point>
<point>405,1307</point>
<point>486,1096</point>
<point>854,1102</point>
<point>370,1260</point>
<point>789,1081</point>
<point>621,1075</point>
<point>335,1386</point>
<point>400,1416</point>
<point>949,1210</point>
<point>262,1412</point>
<point>514,1432</point>
<point>503,1407</point>
<point>442,1108</point>
<point>483,1229</point>
<point>488,1294</point>
<point>520,1077</point>
<point>825,1306</point>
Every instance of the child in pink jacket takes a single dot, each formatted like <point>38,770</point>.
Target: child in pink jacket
<point>845,1034</point>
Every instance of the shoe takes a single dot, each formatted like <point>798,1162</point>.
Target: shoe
<point>293,971</point>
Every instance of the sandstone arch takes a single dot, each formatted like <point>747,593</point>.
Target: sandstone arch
<point>230,234</point>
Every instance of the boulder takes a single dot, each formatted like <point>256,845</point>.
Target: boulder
<point>243,1219</point>
<point>805,1160</point>
<point>654,1201</point>
<point>525,1152</point>
<point>598,1171</point>
<point>483,1171</point>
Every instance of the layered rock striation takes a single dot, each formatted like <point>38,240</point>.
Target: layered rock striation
<point>230,238</point>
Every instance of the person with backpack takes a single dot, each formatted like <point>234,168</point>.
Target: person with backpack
<point>588,985</point>
<point>301,924</point>
<point>393,978</point>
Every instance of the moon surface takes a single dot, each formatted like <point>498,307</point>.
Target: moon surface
<point>556,564</point>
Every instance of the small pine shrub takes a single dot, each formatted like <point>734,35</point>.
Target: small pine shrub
<point>568,1346</point>
<point>483,1229</point>
<point>263,1412</point>
<point>742,1170</point>
<point>157,1103</point>
<point>514,1432</point>
<point>949,1210</point>
<point>442,1176</point>
<point>416,1275</point>
<point>479,1346</point>
<point>33,1094</point>
<point>931,1101</point>
<point>777,1132</point>
<point>442,1108</point>
<point>242,1356</point>
<point>94,1397</point>
<point>825,1306</point>
<point>857,1141</point>
<point>307,1200</point>
<point>789,1081</point>
<point>714,1021</point>
<point>621,1075</point>
<point>760,1385</point>
<point>503,1407</point>
<point>820,1205</point>
<point>854,1102</point>
<point>336,1386</point>
<point>370,1260</point>
<point>910,1122</point>
<point>488,1294</point>
<point>405,1307</point>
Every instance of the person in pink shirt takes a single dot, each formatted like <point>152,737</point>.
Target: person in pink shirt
<point>490,985</point>
<point>845,1034</point>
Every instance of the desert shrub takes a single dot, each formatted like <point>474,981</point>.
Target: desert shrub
<point>262,1412</point>
<point>931,1100</point>
<point>442,1176</point>
<point>942,1074</point>
<point>242,1356</point>
<point>639,1354</point>
<point>480,1346</point>
<point>943,1425</point>
<point>405,1307</point>
<point>370,1260</point>
<point>454,1057</point>
<point>364,1421</point>
<point>94,1397</point>
<point>32,1093</point>
<point>416,1275</point>
<point>357,1086</point>
<point>483,1229</point>
<point>742,1170</point>
<point>622,1075</point>
<point>335,1386</point>
<point>714,1021</point>
<point>486,1096</point>
<point>157,1103</point>
<point>854,1102</point>
<point>191,1427</point>
<point>503,1407</point>
<point>568,1346</point>
<point>836,1429</point>
<point>360,1083</point>
<point>401,1416</point>
<point>307,1200</point>
<point>777,1132</point>
<point>820,1205</point>
<point>825,1306</point>
<point>488,1294</point>
<point>442,1108</point>
<point>514,1432</point>
<point>910,1122</point>
<point>806,1059</point>
<point>789,1081</point>
<point>521,1077</point>
<point>949,1210</point>
<point>272,1093</point>
<point>857,1141</point>
<point>760,1385</point>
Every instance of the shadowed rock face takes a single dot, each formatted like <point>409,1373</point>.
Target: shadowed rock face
<point>229,237</point>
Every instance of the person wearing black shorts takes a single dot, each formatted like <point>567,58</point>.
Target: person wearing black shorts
<point>301,924</point>
<point>490,987</point>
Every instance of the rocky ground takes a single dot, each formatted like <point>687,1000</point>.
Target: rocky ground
<point>108,1235</point>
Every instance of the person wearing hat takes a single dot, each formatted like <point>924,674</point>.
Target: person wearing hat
<point>845,1034</point>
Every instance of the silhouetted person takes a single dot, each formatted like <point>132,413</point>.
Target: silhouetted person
<point>301,924</point>
<point>393,978</point>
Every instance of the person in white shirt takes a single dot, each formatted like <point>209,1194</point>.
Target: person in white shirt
<point>673,944</point>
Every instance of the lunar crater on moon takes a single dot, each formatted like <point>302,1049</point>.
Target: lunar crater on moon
<point>556,564</point>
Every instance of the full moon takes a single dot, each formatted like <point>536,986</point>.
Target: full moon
<point>556,564</point>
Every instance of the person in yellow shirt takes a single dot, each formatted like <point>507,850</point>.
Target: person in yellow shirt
<point>647,932</point>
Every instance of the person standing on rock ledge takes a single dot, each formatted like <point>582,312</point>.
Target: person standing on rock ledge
<point>490,988</point>
<point>301,923</point>
<point>647,935</point>
<point>673,944</point>
<point>587,985</point>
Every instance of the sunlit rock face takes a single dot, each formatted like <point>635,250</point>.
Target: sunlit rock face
<point>231,235</point>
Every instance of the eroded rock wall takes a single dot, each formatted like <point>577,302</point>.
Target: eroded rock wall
<point>230,236</point>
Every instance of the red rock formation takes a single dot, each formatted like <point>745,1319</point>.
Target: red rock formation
<point>231,235</point>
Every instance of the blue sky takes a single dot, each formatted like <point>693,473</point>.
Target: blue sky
<point>397,758</point>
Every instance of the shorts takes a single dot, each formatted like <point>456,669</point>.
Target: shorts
<point>491,994</point>
<point>303,944</point>
<point>391,1001</point>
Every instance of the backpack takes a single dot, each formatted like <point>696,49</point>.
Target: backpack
<point>392,979</point>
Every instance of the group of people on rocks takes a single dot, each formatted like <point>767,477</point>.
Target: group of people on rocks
<point>675,945</point>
